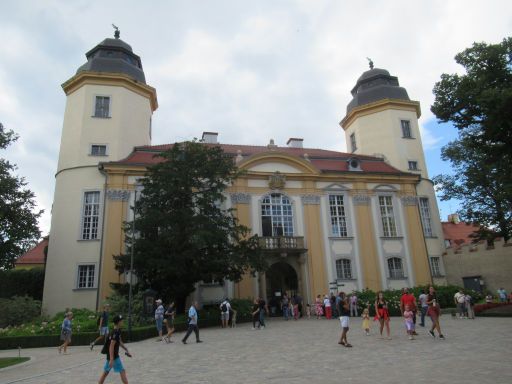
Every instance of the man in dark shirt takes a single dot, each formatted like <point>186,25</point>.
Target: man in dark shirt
<point>263,311</point>
<point>111,349</point>
<point>102,326</point>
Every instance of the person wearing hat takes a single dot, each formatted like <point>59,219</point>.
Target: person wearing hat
<point>111,349</point>
<point>102,325</point>
<point>159,319</point>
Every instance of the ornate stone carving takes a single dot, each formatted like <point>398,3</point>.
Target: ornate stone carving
<point>310,199</point>
<point>277,180</point>
<point>240,198</point>
<point>118,194</point>
<point>361,199</point>
<point>409,200</point>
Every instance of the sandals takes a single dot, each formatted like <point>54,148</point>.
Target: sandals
<point>342,343</point>
<point>348,345</point>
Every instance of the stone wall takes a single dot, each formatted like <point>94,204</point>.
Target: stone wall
<point>493,265</point>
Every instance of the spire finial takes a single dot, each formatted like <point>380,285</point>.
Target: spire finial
<point>370,62</point>
<point>117,33</point>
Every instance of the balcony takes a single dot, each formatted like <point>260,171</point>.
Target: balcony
<point>282,243</point>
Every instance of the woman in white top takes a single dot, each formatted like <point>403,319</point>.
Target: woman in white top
<point>328,309</point>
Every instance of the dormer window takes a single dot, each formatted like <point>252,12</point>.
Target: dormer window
<point>102,106</point>
<point>354,164</point>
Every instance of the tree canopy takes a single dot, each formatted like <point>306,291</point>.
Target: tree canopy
<point>479,104</point>
<point>18,221</point>
<point>184,233</point>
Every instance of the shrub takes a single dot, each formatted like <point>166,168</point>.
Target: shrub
<point>119,305</point>
<point>22,282</point>
<point>19,310</point>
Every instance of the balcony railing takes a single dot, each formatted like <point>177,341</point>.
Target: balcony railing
<point>282,243</point>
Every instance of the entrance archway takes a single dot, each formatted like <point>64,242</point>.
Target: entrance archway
<point>280,278</point>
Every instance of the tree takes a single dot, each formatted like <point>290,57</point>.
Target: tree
<point>183,234</point>
<point>479,104</point>
<point>18,221</point>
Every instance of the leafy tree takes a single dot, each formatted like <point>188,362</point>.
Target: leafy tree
<point>479,104</point>
<point>18,221</point>
<point>183,234</point>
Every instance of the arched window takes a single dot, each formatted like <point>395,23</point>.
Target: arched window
<point>276,215</point>
<point>343,269</point>
<point>395,267</point>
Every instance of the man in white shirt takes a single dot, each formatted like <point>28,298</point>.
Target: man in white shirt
<point>460,299</point>
<point>225,307</point>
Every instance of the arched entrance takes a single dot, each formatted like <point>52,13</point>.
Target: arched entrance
<point>280,278</point>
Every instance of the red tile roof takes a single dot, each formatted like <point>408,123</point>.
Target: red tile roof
<point>324,160</point>
<point>458,233</point>
<point>35,255</point>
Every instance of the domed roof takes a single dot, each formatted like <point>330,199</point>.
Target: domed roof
<point>114,56</point>
<point>374,85</point>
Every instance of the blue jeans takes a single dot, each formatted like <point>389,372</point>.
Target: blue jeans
<point>423,313</point>
<point>286,313</point>
<point>262,317</point>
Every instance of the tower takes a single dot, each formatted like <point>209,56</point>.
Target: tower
<point>108,112</point>
<point>381,120</point>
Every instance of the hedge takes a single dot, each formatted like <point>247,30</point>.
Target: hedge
<point>21,282</point>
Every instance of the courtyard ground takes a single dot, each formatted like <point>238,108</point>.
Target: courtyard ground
<point>304,351</point>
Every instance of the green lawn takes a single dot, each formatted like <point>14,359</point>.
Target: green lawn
<point>8,361</point>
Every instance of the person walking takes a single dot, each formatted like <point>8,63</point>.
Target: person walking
<point>169,321</point>
<point>459,299</point>
<point>102,326</point>
<point>65,333</point>
<point>225,308</point>
<point>353,305</point>
<point>328,308</point>
<point>263,311</point>
<point>424,307</point>
<point>111,349</point>
<point>409,323</point>
<point>284,306</point>
<point>382,314</point>
<point>434,312</point>
<point>159,319</point>
<point>344,321</point>
<point>192,323</point>
<point>255,314</point>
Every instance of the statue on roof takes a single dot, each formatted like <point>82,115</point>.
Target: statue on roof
<point>117,33</point>
<point>370,62</point>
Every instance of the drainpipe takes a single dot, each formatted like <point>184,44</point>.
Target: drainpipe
<point>101,169</point>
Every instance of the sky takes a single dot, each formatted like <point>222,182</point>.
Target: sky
<point>249,70</point>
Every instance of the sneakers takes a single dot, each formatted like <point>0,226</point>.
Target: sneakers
<point>431,333</point>
<point>184,341</point>
<point>441,337</point>
<point>199,341</point>
<point>411,338</point>
<point>262,327</point>
<point>91,345</point>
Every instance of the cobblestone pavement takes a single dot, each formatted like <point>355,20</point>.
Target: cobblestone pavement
<point>304,351</point>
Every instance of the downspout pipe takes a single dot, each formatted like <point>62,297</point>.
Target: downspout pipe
<point>102,171</point>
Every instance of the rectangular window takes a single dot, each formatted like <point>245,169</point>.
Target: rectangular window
<point>86,276</point>
<point>387,216</point>
<point>353,145</point>
<point>90,215</point>
<point>343,269</point>
<point>435,264</point>
<point>425,217</point>
<point>413,165</point>
<point>395,267</point>
<point>98,150</point>
<point>338,220</point>
<point>102,106</point>
<point>406,129</point>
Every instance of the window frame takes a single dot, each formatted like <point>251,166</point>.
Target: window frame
<point>439,272</point>
<point>87,277</point>
<point>98,154</point>
<point>426,217</point>
<point>341,220</point>
<point>94,109</point>
<point>388,230</point>
<point>406,129</point>
<point>392,274</point>
<point>83,216</point>
<point>290,221</point>
<point>412,162</point>
<point>343,269</point>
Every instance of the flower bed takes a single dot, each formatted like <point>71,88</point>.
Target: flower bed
<point>479,308</point>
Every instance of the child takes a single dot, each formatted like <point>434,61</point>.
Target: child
<point>111,349</point>
<point>409,323</point>
<point>308,311</point>
<point>366,321</point>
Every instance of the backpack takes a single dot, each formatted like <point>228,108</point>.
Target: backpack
<point>106,346</point>
<point>224,307</point>
<point>98,321</point>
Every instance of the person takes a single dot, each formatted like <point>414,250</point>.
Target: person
<point>344,321</point>
<point>338,303</point>
<point>510,297</point>
<point>502,295</point>
<point>255,314</point>
<point>382,314</point>
<point>192,323</point>
<point>434,312</point>
<point>308,311</point>
<point>334,315</point>
<point>225,308</point>
<point>159,319</point>
<point>409,323</point>
<point>423,303</point>
<point>459,300</point>
<point>111,349</point>
<point>409,299</point>
<point>328,308</point>
<point>169,321</point>
<point>102,326</point>
<point>318,306</point>
<point>284,306</point>
<point>468,302</point>
<point>366,321</point>
<point>298,299</point>
<point>353,305</point>
<point>295,305</point>
<point>488,299</point>
<point>65,332</point>
<point>263,311</point>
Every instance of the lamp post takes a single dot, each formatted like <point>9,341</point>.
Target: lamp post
<point>130,293</point>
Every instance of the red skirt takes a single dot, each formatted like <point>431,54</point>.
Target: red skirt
<point>433,312</point>
<point>383,314</point>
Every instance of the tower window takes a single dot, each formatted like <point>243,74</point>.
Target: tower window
<point>406,129</point>
<point>413,165</point>
<point>425,217</point>
<point>102,106</point>
<point>90,216</point>
<point>435,263</point>
<point>98,150</point>
<point>353,146</point>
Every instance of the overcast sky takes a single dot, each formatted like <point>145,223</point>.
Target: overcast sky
<point>249,70</point>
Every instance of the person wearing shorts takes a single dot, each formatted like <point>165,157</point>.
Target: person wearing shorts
<point>344,321</point>
<point>224,307</point>
<point>434,312</point>
<point>102,326</point>
<point>159,319</point>
<point>111,349</point>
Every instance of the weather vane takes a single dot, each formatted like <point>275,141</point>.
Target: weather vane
<point>370,62</point>
<point>116,33</point>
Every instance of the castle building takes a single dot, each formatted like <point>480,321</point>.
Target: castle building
<point>327,220</point>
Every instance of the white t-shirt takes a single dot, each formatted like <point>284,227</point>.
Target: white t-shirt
<point>460,298</point>
<point>327,302</point>
<point>228,306</point>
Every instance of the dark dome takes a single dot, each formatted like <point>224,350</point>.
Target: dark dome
<point>374,85</point>
<point>114,56</point>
